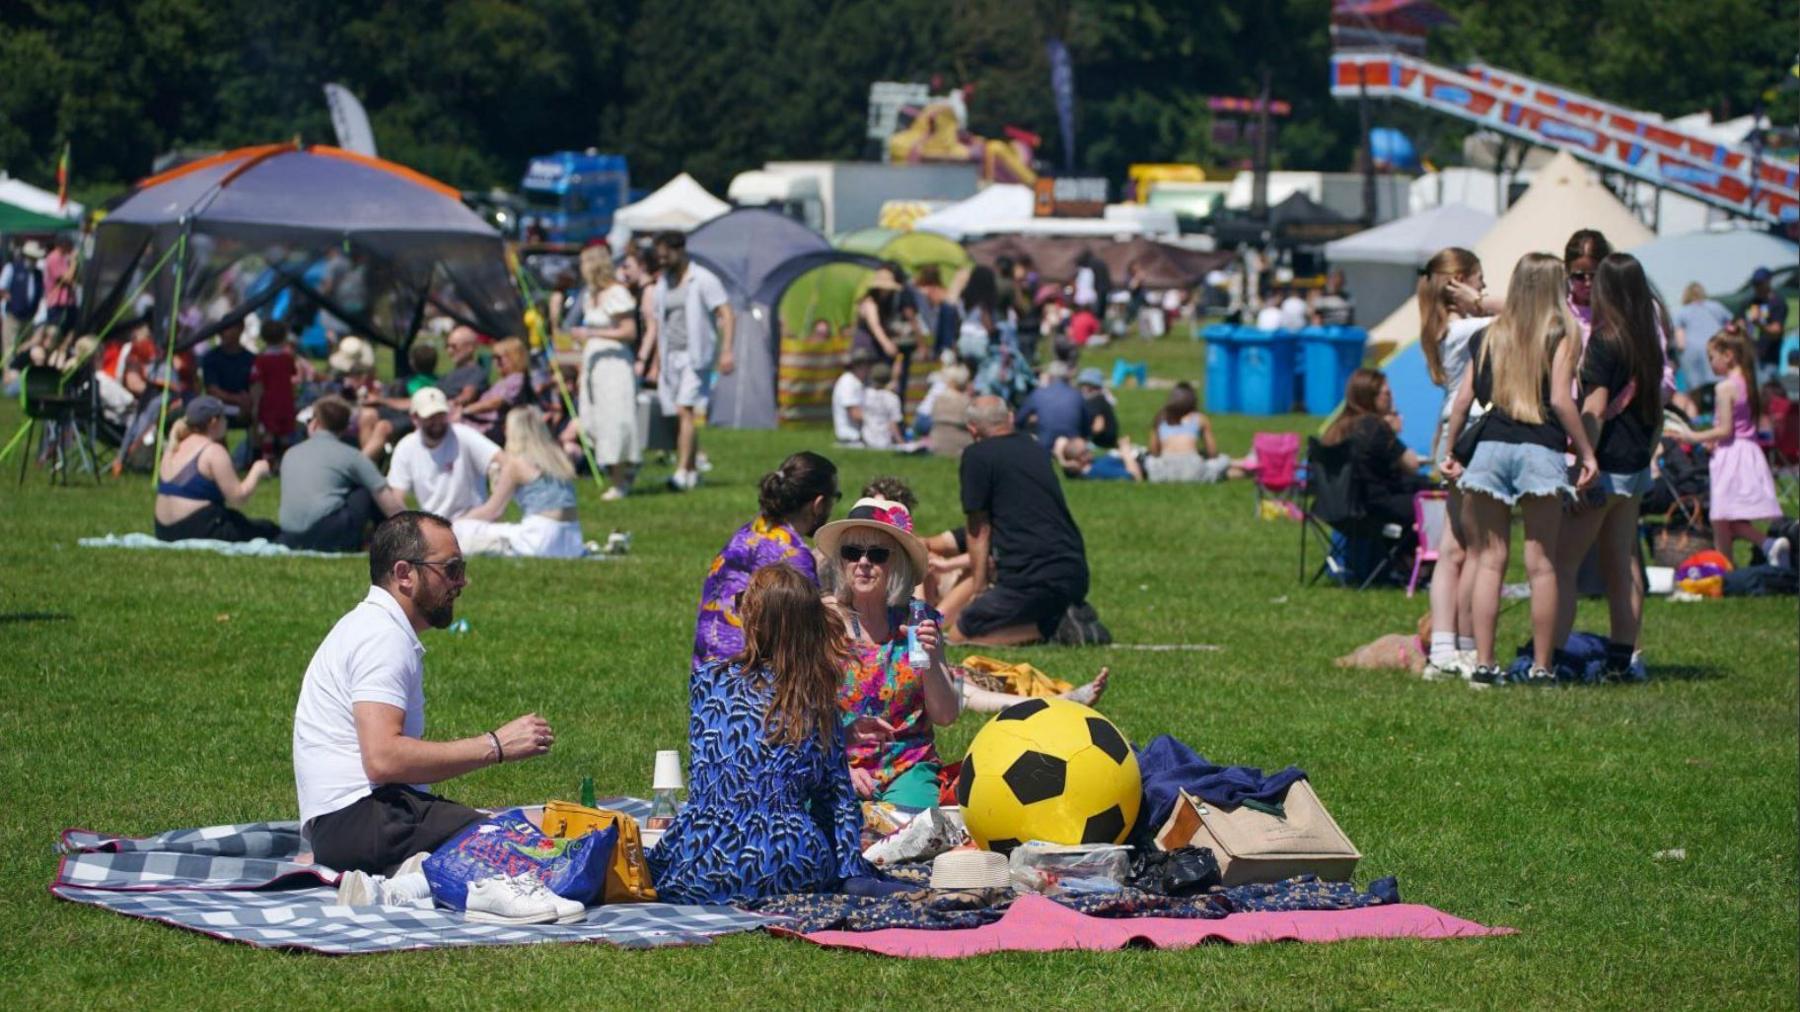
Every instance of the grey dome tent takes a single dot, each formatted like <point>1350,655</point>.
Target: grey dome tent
<point>239,230</point>
<point>758,253</point>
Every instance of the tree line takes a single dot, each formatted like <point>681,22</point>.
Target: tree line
<point>468,90</point>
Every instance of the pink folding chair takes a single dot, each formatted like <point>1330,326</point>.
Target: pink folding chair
<point>1277,466</point>
<point>1431,513</point>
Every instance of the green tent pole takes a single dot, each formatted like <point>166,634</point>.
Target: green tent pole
<point>162,411</point>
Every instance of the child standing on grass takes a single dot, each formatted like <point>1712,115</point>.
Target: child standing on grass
<point>1621,411</point>
<point>272,378</point>
<point>1444,332</point>
<point>1523,368</point>
<point>1743,488</point>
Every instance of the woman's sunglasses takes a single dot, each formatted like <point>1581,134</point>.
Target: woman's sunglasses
<point>855,553</point>
<point>1582,276</point>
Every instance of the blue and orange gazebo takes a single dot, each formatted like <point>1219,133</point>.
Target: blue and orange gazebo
<point>228,235</point>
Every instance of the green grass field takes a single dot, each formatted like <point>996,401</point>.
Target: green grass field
<point>145,691</point>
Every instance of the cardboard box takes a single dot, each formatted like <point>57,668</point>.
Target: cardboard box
<point>1254,846</point>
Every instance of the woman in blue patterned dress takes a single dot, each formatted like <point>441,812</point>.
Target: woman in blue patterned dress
<point>795,499</point>
<point>770,807</point>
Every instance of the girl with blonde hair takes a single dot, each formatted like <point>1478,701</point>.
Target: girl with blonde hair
<point>603,316</point>
<point>537,473</point>
<point>1523,368</point>
<point>1444,332</point>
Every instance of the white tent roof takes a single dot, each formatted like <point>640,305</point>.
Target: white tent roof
<point>1563,197</point>
<point>19,193</point>
<point>681,204</point>
<point>1001,204</point>
<point>1413,240</point>
<point>1721,261</point>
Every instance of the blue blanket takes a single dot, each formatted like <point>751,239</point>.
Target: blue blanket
<point>1169,766</point>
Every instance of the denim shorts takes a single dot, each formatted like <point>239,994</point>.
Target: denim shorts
<point>1509,471</point>
<point>1625,484</point>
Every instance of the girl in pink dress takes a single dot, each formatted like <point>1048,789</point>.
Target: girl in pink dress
<point>1743,488</point>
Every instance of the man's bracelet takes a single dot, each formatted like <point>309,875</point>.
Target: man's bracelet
<point>499,754</point>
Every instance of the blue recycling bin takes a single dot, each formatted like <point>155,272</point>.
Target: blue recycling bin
<point>1221,367</point>
<point>1328,355</point>
<point>1265,371</point>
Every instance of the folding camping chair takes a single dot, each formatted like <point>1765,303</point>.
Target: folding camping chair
<point>1333,504</point>
<point>1431,515</point>
<point>1278,475</point>
<point>66,409</point>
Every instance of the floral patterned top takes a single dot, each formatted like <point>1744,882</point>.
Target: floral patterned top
<point>719,632</point>
<point>880,682</point>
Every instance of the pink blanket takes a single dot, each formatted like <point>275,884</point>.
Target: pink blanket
<point>1035,924</point>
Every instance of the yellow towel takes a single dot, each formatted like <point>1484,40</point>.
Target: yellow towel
<point>1019,679</point>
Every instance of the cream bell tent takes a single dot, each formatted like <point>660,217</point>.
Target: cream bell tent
<point>1563,197</point>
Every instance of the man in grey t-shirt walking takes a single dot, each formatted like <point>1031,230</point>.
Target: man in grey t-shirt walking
<point>688,302</point>
<point>329,490</point>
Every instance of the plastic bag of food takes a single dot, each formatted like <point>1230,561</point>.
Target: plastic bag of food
<point>929,834</point>
<point>1054,868</point>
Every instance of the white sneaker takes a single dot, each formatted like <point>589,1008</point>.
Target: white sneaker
<point>414,865</point>
<point>1778,551</point>
<point>568,911</point>
<point>502,900</point>
<point>1449,670</point>
<point>613,493</point>
<point>357,889</point>
<point>702,462</point>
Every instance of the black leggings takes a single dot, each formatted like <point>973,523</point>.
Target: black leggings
<point>216,522</point>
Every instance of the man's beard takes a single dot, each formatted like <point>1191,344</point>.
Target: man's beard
<point>441,613</point>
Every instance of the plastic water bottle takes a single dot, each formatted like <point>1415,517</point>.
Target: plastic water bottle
<point>460,626</point>
<point>915,654</point>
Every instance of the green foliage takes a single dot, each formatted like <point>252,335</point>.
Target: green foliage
<point>467,90</point>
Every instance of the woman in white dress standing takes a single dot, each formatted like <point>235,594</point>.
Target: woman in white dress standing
<point>604,318</point>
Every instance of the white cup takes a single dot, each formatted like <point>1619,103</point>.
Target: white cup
<point>668,771</point>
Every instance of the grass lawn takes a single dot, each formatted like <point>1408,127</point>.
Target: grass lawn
<point>145,691</point>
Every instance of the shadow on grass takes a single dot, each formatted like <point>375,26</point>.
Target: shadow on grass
<point>1686,672</point>
<point>11,618</point>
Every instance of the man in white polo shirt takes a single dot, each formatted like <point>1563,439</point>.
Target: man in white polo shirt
<point>445,466</point>
<point>361,762</point>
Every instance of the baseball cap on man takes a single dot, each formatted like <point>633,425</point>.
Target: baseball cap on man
<point>430,402</point>
<point>1761,276</point>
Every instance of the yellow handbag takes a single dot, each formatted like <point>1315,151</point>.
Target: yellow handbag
<point>628,876</point>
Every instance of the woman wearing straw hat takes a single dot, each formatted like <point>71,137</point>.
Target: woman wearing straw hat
<point>771,809</point>
<point>892,693</point>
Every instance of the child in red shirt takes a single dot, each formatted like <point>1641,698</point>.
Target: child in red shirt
<point>272,376</point>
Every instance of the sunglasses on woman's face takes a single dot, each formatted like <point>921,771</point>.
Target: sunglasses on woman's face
<point>854,553</point>
<point>1582,277</point>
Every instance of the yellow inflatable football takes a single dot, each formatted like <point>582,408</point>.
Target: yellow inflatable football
<point>1052,770</point>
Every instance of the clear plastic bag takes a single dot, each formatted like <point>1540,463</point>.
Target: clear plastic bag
<point>1052,868</point>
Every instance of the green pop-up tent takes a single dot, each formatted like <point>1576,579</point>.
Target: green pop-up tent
<point>14,218</point>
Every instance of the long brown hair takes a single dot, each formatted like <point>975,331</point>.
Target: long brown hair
<point>1522,341</point>
<point>795,645</point>
<point>1743,358</point>
<point>1451,263</point>
<point>1361,395</point>
<point>1181,403</point>
<point>1628,318</point>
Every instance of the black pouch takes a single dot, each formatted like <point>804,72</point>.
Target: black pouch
<point>1186,871</point>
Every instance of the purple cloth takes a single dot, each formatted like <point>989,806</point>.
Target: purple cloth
<point>718,632</point>
<point>1169,766</point>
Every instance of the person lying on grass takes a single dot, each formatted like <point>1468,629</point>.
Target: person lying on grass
<point>360,758</point>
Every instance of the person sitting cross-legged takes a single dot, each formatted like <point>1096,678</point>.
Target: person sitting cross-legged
<point>330,491</point>
<point>361,762</point>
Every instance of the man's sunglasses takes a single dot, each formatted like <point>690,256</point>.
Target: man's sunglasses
<point>454,569</point>
<point>854,553</point>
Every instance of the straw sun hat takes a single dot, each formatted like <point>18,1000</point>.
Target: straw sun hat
<point>884,515</point>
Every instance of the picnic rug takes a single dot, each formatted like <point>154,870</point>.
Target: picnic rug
<point>242,884</point>
<point>254,548</point>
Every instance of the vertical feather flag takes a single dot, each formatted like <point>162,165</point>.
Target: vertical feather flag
<point>62,178</point>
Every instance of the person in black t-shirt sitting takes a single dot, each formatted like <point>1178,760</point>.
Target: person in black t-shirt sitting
<point>1381,466</point>
<point>1015,506</point>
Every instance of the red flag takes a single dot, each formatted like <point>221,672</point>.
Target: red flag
<point>62,178</point>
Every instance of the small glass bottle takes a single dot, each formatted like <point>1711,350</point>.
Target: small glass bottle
<point>587,792</point>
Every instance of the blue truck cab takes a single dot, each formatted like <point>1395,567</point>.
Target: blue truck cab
<point>571,195</point>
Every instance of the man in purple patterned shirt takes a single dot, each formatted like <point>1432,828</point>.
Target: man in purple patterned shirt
<point>796,499</point>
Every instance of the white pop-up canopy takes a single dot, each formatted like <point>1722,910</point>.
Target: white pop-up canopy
<point>1001,204</point>
<point>681,204</point>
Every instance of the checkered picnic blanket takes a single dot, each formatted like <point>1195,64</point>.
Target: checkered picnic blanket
<point>243,884</point>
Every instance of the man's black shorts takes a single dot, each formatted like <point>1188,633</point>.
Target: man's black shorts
<point>378,832</point>
<point>1001,606</point>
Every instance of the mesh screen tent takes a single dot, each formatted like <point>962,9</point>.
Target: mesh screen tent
<point>758,254</point>
<point>299,230</point>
